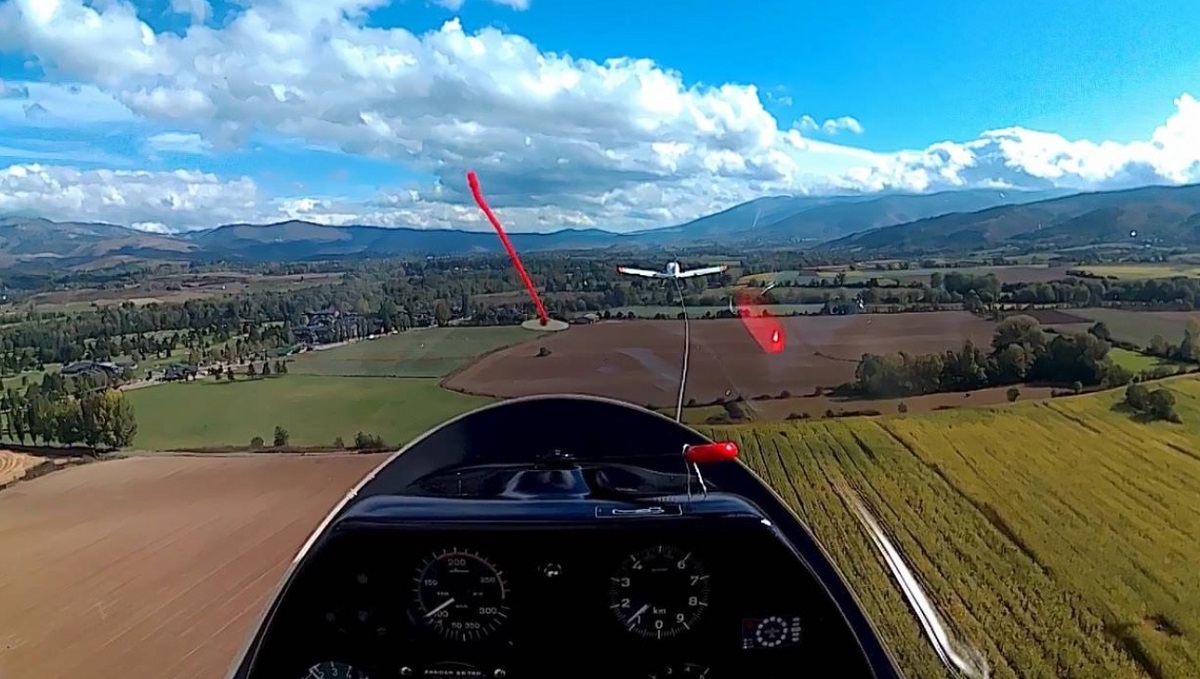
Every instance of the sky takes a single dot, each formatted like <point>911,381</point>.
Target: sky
<point>172,115</point>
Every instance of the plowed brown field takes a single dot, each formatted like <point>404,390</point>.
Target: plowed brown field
<point>153,567</point>
<point>638,361</point>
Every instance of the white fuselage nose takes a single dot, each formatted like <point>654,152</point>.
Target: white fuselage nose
<point>672,268</point>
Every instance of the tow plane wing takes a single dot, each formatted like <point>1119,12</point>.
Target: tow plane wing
<point>645,273</point>
<point>705,271</point>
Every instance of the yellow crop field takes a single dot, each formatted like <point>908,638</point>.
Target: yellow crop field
<point>1059,538</point>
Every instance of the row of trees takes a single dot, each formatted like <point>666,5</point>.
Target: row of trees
<point>1180,293</point>
<point>281,439</point>
<point>1020,352</point>
<point>265,371</point>
<point>99,419</point>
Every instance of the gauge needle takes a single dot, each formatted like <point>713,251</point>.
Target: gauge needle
<point>633,618</point>
<point>444,604</point>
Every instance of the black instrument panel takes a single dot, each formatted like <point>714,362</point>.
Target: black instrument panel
<point>522,484</point>
<point>711,598</point>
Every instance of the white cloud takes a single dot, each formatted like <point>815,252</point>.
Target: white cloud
<point>558,141</point>
<point>179,142</point>
<point>183,199</point>
<point>830,126</point>
<point>834,125</point>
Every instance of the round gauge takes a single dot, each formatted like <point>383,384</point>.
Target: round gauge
<point>461,595</point>
<point>333,670</point>
<point>659,592</point>
<point>684,671</point>
<point>771,632</point>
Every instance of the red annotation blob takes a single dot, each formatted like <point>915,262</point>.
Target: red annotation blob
<point>764,328</point>
<point>477,192</point>
<point>708,453</point>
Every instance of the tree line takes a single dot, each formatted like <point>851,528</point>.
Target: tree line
<point>362,441</point>
<point>280,368</point>
<point>1020,352</point>
<point>98,419</point>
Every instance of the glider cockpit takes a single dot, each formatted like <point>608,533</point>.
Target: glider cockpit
<point>562,537</point>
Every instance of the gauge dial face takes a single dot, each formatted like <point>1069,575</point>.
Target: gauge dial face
<point>461,595</point>
<point>659,592</point>
<point>771,632</point>
<point>334,670</point>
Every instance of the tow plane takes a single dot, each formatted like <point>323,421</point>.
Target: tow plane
<point>673,271</point>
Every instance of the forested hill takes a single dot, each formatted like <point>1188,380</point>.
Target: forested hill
<point>1155,215</point>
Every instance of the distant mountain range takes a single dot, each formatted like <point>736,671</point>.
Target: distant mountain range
<point>794,220</point>
<point>870,224</point>
<point>1160,215</point>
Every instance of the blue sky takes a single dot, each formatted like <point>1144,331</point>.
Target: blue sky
<point>352,110</point>
<point>914,73</point>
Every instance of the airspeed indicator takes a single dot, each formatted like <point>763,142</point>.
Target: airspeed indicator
<point>461,595</point>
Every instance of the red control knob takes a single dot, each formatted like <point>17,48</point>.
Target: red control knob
<point>708,453</point>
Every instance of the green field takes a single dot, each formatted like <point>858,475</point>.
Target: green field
<point>314,409</point>
<point>433,352</point>
<point>1140,327</point>
<point>1058,537</point>
<point>1135,362</point>
<point>387,387</point>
